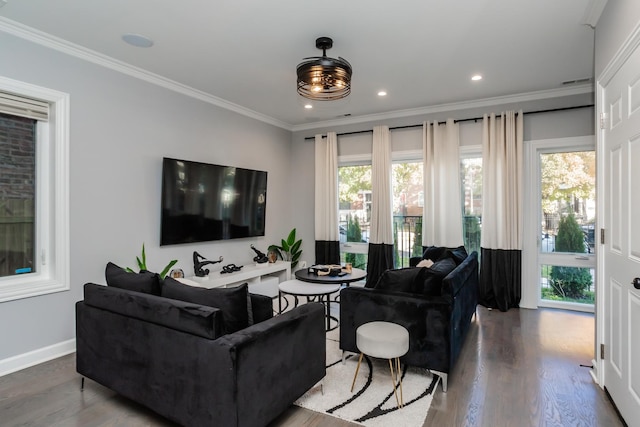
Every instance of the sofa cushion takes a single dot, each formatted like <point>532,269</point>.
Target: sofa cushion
<point>232,301</point>
<point>401,279</point>
<point>432,284</point>
<point>145,281</point>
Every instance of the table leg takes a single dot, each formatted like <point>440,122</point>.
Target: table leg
<point>328,308</point>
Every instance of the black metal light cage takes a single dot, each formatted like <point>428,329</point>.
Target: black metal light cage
<point>324,78</point>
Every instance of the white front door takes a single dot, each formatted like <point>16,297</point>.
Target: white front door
<point>620,185</point>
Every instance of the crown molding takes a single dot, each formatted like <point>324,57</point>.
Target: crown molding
<point>44,39</point>
<point>593,11</point>
<point>463,105</point>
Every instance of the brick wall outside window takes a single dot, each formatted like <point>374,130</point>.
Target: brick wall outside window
<point>17,193</point>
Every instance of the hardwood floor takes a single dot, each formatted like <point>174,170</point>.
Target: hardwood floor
<point>518,368</point>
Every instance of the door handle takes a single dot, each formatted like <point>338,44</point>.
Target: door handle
<point>582,257</point>
<point>636,283</point>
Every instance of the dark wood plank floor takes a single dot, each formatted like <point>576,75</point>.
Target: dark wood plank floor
<point>520,368</point>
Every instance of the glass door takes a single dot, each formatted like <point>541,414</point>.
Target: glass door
<point>567,207</point>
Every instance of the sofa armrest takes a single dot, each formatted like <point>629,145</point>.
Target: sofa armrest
<point>466,274</point>
<point>426,318</point>
<point>277,361</point>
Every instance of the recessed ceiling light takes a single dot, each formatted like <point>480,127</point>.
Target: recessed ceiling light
<point>476,77</point>
<point>382,93</point>
<point>308,106</point>
<point>137,40</point>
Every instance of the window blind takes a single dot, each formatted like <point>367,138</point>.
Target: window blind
<point>24,107</point>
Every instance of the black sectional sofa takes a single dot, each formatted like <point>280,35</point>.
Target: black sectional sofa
<point>196,364</point>
<point>435,305</point>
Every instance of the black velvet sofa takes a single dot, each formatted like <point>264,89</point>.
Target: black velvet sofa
<point>435,305</point>
<point>183,360</point>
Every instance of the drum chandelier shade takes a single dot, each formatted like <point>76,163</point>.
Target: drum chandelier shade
<point>322,78</point>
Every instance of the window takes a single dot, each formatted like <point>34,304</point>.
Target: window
<point>354,213</point>
<point>354,187</point>
<point>567,212</point>
<point>17,194</point>
<point>471,180</point>
<point>34,243</point>
<point>408,203</point>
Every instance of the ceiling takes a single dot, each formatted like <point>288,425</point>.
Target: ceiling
<point>243,53</point>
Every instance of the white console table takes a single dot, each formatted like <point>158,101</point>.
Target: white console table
<point>263,279</point>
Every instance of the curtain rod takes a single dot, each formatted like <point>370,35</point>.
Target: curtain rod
<point>475,119</point>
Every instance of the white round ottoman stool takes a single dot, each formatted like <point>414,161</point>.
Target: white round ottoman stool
<point>383,340</point>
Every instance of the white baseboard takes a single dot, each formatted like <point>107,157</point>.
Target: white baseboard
<point>35,357</point>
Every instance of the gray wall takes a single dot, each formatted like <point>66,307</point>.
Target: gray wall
<point>560,124</point>
<point>121,127</point>
<point>618,20</point>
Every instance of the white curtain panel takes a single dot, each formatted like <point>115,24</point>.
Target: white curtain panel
<point>502,178</point>
<point>326,187</point>
<point>381,204</point>
<point>442,213</point>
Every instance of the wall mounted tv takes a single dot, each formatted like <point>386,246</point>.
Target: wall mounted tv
<point>204,202</point>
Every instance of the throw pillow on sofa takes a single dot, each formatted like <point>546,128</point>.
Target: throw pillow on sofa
<point>401,279</point>
<point>458,254</point>
<point>432,284</point>
<point>145,281</point>
<point>231,301</point>
<point>434,253</point>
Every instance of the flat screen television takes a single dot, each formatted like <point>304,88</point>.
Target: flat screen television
<point>204,202</point>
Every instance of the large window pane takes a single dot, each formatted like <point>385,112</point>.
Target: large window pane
<point>567,284</point>
<point>354,217</point>
<point>17,194</point>
<point>471,179</point>
<point>408,203</point>
<point>568,202</point>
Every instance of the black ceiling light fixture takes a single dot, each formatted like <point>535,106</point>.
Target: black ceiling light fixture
<point>322,78</point>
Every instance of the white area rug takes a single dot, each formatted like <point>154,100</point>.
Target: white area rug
<point>372,402</point>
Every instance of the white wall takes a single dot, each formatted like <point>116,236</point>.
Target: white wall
<point>121,127</point>
<point>577,122</point>
<point>618,20</point>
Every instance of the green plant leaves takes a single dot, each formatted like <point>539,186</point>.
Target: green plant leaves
<point>165,271</point>
<point>142,264</point>
<point>289,249</point>
<point>291,239</point>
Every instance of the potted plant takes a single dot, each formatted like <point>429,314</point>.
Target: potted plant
<point>289,249</point>
<point>142,264</point>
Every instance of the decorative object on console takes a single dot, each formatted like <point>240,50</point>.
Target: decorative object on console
<point>260,257</point>
<point>199,261</point>
<point>230,268</point>
<point>322,78</point>
<point>289,250</point>
<point>142,264</point>
<point>273,256</point>
<point>326,270</point>
<point>176,273</point>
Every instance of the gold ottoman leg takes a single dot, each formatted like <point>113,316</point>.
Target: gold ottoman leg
<point>356,374</point>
